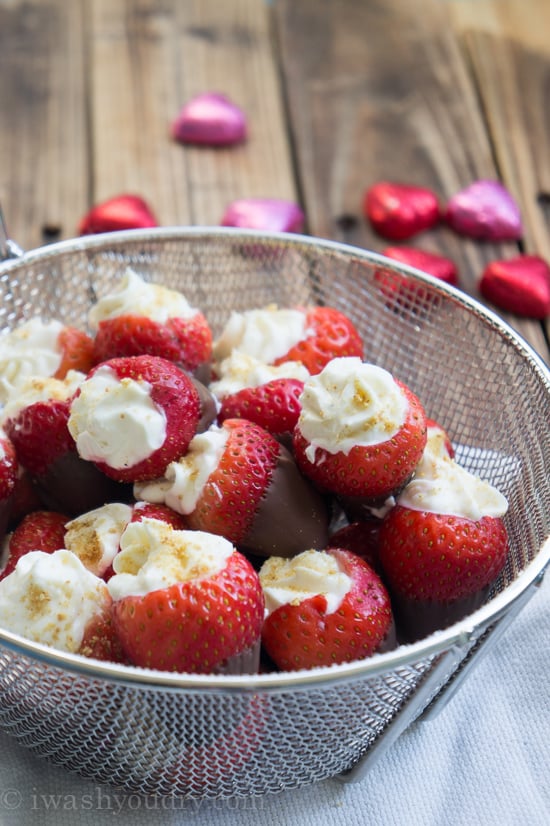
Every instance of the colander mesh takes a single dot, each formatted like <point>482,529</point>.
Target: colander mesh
<point>472,375</point>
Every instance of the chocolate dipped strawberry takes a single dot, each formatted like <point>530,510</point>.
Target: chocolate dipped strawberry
<point>239,482</point>
<point>139,317</point>
<point>132,416</point>
<point>36,420</point>
<point>324,608</point>
<point>360,434</point>
<point>51,598</point>
<point>185,601</point>
<point>442,545</point>
<point>40,349</point>
<point>309,335</point>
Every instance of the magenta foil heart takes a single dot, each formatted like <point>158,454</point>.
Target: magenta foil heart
<point>270,214</point>
<point>485,210</point>
<point>210,119</point>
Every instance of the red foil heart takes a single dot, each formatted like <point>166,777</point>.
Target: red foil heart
<point>437,265</point>
<point>519,285</point>
<point>399,211</point>
<point>485,210</point>
<point>271,214</point>
<point>210,119</point>
<point>121,212</point>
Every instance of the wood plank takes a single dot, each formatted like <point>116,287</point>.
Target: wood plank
<point>509,49</point>
<point>149,57</point>
<point>43,143</point>
<point>382,91</point>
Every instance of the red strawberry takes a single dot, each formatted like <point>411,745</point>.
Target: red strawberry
<point>185,341</point>
<point>332,335</point>
<point>438,566</point>
<point>173,398</point>
<point>359,537</point>
<point>274,405</point>
<point>100,640</point>
<point>38,531</point>
<point>437,431</point>
<point>120,212</point>
<point>40,434</point>
<point>77,352</point>
<point>399,211</point>
<point>9,467</point>
<point>196,624</point>
<point>304,635</point>
<point>371,472</point>
<point>148,510</point>
<point>243,493</point>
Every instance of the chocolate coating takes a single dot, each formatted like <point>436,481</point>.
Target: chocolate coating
<point>208,405</point>
<point>416,619</point>
<point>74,486</point>
<point>292,516</point>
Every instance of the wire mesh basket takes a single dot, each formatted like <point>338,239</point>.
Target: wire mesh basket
<point>225,736</point>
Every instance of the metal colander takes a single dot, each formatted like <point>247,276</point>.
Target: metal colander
<point>224,736</point>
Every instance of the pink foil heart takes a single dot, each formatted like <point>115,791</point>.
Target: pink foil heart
<point>399,211</point>
<point>485,210</point>
<point>519,285</point>
<point>120,212</point>
<point>270,214</point>
<point>437,265</point>
<point>210,119</point>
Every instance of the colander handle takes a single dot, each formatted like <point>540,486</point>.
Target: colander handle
<point>8,248</point>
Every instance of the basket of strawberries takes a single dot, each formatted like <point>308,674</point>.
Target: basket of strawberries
<point>263,498</point>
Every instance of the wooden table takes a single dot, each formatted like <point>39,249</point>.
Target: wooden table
<point>338,94</point>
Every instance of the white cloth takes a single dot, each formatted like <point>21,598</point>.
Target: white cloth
<point>484,760</point>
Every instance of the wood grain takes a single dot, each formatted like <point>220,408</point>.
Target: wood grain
<point>508,46</point>
<point>43,137</point>
<point>383,90</point>
<point>148,59</point>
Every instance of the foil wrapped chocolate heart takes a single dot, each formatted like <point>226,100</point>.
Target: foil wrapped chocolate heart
<point>485,210</point>
<point>271,214</point>
<point>120,212</point>
<point>399,211</point>
<point>210,119</point>
<point>520,285</point>
<point>434,264</point>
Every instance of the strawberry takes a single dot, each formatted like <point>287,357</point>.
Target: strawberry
<point>38,531</point>
<point>134,415</point>
<point>9,467</point>
<point>185,341</point>
<point>233,491</point>
<point>437,431</point>
<point>120,212</point>
<point>361,471</point>
<point>359,537</point>
<point>100,640</point>
<point>274,405</point>
<point>25,497</point>
<point>148,510</point>
<point>438,566</point>
<point>331,335</point>
<point>235,481</point>
<point>51,598</point>
<point>306,632</point>
<point>399,211</point>
<point>77,351</point>
<point>40,434</point>
<point>207,606</point>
